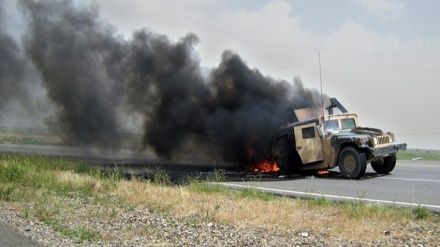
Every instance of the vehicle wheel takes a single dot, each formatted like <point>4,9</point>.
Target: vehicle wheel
<point>352,163</point>
<point>387,166</point>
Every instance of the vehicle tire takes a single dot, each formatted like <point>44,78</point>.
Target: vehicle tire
<point>367,131</point>
<point>387,166</point>
<point>352,163</point>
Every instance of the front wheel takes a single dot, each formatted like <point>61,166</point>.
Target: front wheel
<point>352,163</point>
<point>386,166</point>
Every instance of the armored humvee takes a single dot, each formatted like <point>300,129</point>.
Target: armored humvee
<point>326,141</point>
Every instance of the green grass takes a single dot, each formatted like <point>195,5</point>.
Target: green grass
<point>212,185</point>
<point>422,154</point>
<point>37,180</point>
<point>256,194</point>
<point>82,234</point>
<point>202,187</point>
<point>317,202</point>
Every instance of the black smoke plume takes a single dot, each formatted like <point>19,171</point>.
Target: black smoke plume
<point>11,66</point>
<point>93,75</point>
<point>70,47</point>
<point>235,109</point>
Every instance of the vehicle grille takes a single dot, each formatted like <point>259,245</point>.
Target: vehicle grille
<point>383,140</point>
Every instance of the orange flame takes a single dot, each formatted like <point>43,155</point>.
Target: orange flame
<point>323,172</point>
<point>267,166</point>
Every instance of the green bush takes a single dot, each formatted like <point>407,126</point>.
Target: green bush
<point>421,213</point>
<point>12,174</point>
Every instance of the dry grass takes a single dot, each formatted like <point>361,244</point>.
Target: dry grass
<point>282,215</point>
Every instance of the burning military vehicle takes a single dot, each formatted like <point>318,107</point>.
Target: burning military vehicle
<point>318,141</point>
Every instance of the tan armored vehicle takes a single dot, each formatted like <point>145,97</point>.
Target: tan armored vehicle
<point>324,142</point>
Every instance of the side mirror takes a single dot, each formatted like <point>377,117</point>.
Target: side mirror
<point>319,127</point>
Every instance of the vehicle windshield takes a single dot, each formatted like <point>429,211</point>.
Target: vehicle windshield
<point>333,125</point>
<point>348,124</point>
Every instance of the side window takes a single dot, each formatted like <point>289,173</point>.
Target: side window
<point>308,133</point>
<point>331,125</point>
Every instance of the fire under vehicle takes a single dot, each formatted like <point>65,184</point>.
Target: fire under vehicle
<point>318,142</point>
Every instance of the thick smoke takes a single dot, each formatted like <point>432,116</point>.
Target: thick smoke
<point>70,46</point>
<point>165,84</point>
<point>93,76</point>
<point>11,66</point>
<point>235,109</point>
<point>249,107</point>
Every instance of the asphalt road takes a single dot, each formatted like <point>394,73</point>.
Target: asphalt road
<point>11,238</point>
<point>411,184</point>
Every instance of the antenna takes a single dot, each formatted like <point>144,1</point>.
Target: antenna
<point>320,81</point>
<point>322,104</point>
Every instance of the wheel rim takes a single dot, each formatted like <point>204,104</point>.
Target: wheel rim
<point>349,163</point>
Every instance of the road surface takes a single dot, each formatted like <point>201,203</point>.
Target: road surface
<point>11,238</point>
<point>411,184</point>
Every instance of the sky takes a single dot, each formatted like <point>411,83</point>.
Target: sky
<point>379,58</point>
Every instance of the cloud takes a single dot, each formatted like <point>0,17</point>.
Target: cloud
<point>172,17</point>
<point>261,36</point>
<point>385,10</point>
<point>352,38</point>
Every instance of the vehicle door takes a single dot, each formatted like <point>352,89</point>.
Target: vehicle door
<point>308,143</point>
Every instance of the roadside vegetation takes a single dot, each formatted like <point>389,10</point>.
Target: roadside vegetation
<point>28,136</point>
<point>419,154</point>
<point>48,189</point>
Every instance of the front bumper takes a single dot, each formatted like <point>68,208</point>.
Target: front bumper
<point>387,150</point>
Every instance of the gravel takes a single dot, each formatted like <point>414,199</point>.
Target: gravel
<point>89,224</point>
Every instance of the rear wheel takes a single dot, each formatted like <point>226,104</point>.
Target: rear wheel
<point>387,166</point>
<point>352,163</point>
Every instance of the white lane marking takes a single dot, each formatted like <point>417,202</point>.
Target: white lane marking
<point>413,179</point>
<point>292,192</point>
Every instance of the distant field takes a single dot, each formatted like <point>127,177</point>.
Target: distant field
<point>422,154</point>
<point>30,136</point>
<point>46,137</point>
